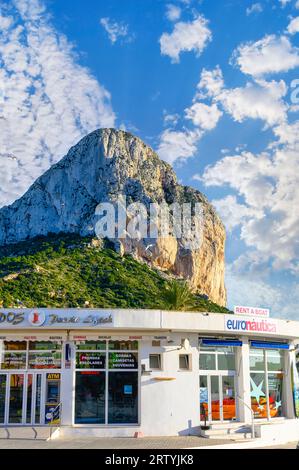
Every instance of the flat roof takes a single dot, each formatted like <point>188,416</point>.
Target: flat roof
<point>41,319</point>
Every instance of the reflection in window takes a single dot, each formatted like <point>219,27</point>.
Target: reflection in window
<point>123,345</point>
<point>45,360</point>
<point>90,398</point>
<point>91,345</point>
<point>123,398</point>
<point>207,362</point>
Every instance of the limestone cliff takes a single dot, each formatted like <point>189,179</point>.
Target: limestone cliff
<point>103,165</point>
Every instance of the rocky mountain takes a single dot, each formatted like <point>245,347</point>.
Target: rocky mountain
<point>103,165</point>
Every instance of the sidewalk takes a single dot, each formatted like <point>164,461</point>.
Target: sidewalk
<point>112,443</point>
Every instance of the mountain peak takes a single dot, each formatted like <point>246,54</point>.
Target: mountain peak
<point>104,165</point>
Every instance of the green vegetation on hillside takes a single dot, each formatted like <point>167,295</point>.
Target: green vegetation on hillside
<point>71,271</point>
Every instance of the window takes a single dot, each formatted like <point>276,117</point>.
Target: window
<point>155,361</point>
<point>220,358</point>
<point>184,362</point>
<point>106,390</point>
<point>17,355</point>
<point>266,380</point>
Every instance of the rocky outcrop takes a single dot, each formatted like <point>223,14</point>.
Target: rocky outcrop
<point>98,169</point>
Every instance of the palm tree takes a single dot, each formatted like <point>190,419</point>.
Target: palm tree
<point>178,296</point>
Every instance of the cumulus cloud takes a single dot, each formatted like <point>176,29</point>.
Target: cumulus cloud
<point>254,8</point>
<point>186,37</point>
<point>173,12</point>
<point>49,101</point>
<point>269,55</point>
<point>116,30</point>
<point>204,116</point>
<point>257,100</point>
<point>175,145</point>
<point>293,26</point>
<point>268,185</point>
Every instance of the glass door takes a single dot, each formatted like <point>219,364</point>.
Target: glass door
<point>228,398</point>
<point>3,382</point>
<point>217,397</point>
<point>16,398</point>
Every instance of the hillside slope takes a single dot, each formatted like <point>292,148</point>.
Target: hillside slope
<point>103,166</point>
<point>73,271</point>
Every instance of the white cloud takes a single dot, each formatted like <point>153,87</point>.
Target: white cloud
<point>211,83</point>
<point>204,116</point>
<point>173,12</point>
<point>283,3</point>
<point>259,100</point>
<point>50,101</point>
<point>254,8</point>
<point>293,26</point>
<point>116,30</point>
<point>233,213</point>
<point>175,145</point>
<point>186,37</point>
<point>268,183</point>
<point>269,55</point>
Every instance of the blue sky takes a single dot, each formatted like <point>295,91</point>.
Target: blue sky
<point>208,84</point>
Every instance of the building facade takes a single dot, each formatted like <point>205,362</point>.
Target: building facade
<point>117,372</point>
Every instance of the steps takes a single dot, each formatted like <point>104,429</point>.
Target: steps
<point>230,431</point>
<point>26,432</point>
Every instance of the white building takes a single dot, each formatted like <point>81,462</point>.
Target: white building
<point>112,372</point>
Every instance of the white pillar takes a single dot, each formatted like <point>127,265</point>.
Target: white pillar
<point>243,382</point>
<point>67,392</point>
<point>287,395</point>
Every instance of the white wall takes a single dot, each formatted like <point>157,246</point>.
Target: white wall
<point>170,407</point>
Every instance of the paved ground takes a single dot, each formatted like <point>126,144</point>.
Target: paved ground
<point>290,445</point>
<point>109,443</point>
<point>123,443</point>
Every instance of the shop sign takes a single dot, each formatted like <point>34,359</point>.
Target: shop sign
<point>249,324</point>
<point>123,360</point>
<point>252,311</point>
<point>54,319</point>
<point>90,360</point>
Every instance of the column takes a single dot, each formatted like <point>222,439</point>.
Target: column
<point>287,395</point>
<point>243,382</point>
<point>67,391</point>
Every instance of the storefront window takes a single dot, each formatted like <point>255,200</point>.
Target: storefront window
<point>257,360</point>
<point>275,394</point>
<point>123,398</point>
<point>44,346</point>
<point>266,385</point>
<point>116,362</point>
<point>275,361</point>
<point>91,345</point>
<point>226,362</point>
<point>207,362</point>
<point>90,398</point>
<point>123,345</point>
<point>217,358</point>
<point>13,360</point>
<point>45,360</point>
<point>90,360</point>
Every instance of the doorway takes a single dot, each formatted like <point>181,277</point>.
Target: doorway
<point>217,397</point>
<point>27,398</point>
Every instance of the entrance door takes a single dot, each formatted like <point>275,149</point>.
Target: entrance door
<point>217,397</point>
<point>23,397</point>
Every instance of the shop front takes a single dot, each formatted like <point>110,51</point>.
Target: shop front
<point>118,372</point>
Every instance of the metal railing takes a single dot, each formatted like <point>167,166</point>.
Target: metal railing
<point>252,415</point>
<point>54,412</point>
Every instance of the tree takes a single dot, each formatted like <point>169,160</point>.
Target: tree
<point>178,296</point>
